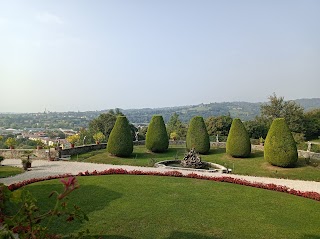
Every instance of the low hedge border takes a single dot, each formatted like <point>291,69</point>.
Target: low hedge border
<point>225,179</point>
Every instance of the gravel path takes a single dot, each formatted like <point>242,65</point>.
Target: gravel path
<point>43,168</point>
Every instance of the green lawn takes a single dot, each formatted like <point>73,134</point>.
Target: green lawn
<point>140,156</point>
<point>128,206</point>
<point>255,165</point>
<point>7,171</point>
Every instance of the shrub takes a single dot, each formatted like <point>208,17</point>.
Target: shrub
<point>11,142</point>
<point>72,139</point>
<point>197,136</point>
<point>238,141</point>
<point>98,137</point>
<point>120,140</point>
<point>157,138</point>
<point>280,148</point>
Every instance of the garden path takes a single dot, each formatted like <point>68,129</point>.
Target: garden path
<point>43,168</point>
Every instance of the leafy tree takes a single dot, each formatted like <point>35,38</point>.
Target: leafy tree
<point>256,128</point>
<point>289,110</point>
<point>11,142</point>
<point>238,142</point>
<point>120,140</point>
<point>105,122</point>
<point>218,125</point>
<point>157,138</point>
<point>174,136</point>
<point>280,149</point>
<point>142,132</point>
<point>197,136</point>
<point>86,136</point>
<point>175,125</point>
<point>312,124</point>
<point>98,137</point>
<point>72,139</point>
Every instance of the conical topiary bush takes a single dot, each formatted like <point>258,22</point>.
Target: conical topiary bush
<point>197,136</point>
<point>120,140</point>
<point>157,138</point>
<point>280,149</point>
<point>238,141</point>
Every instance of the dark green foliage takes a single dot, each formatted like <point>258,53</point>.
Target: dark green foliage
<point>256,128</point>
<point>218,125</point>
<point>280,149</point>
<point>279,108</point>
<point>120,140</point>
<point>157,138</point>
<point>104,123</point>
<point>312,124</point>
<point>197,136</point>
<point>238,142</point>
<point>175,125</point>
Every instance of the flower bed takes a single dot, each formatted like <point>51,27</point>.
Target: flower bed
<point>226,179</point>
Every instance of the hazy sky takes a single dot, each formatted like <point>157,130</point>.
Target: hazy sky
<point>93,55</point>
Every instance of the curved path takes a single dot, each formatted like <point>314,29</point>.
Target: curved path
<point>43,168</point>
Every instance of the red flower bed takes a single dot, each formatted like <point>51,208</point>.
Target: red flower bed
<point>226,179</point>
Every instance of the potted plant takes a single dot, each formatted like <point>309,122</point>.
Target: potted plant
<point>98,137</point>
<point>261,141</point>
<point>11,142</point>
<point>1,159</point>
<point>72,139</point>
<point>26,161</point>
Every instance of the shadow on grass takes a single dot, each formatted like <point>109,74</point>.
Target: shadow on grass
<point>311,237</point>
<point>89,198</point>
<point>256,154</point>
<point>189,235</point>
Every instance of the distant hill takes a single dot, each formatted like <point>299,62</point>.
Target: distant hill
<point>309,104</point>
<point>77,120</point>
<point>243,110</point>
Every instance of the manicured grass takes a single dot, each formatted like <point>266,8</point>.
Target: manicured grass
<point>7,171</point>
<point>255,165</point>
<point>128,206</point>
<point>140,156</point>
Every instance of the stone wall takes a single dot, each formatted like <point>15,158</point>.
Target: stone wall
<point>83,149</point>
<point>91,147</point>
<point>19,153</point>
<point>308,155</point>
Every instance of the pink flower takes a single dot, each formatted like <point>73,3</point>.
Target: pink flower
<point>71,183</point>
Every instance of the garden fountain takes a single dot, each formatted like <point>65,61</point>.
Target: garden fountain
<point>192,161</point>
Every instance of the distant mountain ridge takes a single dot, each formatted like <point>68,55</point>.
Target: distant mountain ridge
<point>76,120</point>
<point>243,110</point>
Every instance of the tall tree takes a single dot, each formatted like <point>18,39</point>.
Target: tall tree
<point>218,125</point>
<point>197,136</point>
<point>175,125</point>
<point>279,108</point>
<point>256,128</point>
<point>312,124</point>
<point>104,123</point>
<point>120,141</point>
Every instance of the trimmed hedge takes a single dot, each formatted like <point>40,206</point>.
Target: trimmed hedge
<point>157,138</point>
<point>280,149</point>
<point>238,141</point>
<point>197,136</point>
<point>120,140</point>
